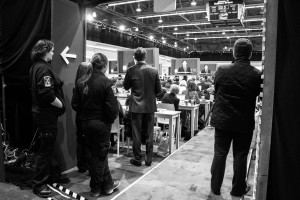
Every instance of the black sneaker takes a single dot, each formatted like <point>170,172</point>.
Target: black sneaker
<point>113,188</point>
<point>135,162</point>
<point>81,170</point>
<point>148,163</point>
<point>95,194</point>
<point>45,193</point>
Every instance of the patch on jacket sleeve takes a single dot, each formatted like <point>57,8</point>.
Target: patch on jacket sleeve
<point>47,81</point>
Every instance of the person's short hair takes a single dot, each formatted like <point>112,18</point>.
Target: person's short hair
<point>168,85</point>
<point>41,48</point>
<point>140,54</point>
<point>183,83</point>
<point>242,48</point>
<point>191,86</point>
<point>99,61</point>
<point>174,89</point>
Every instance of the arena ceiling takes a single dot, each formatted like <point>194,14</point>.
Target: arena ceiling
<point>186,27</point>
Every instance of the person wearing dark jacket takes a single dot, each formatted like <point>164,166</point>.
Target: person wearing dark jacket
<point>171,97</point>
<point>143,80</point>
<point>236,87</point>
<point>94,98</point>
<point>84,70</point>
<point>47,105</point>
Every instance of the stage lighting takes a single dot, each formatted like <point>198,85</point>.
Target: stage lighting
<point>89,17</point>
<point>160,20</point>
<point>138,9</point>
<point>122,27</point>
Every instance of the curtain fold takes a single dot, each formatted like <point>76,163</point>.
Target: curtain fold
<point>23,23</point>
<point>284,173</point>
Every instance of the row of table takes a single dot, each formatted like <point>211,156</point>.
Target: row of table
<point>174,116</point>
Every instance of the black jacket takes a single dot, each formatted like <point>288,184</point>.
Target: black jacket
<point>145,85</point>
<point>45,87</point>
<point>236,87</point>
<point>171,99</point>
<point>99,102</point>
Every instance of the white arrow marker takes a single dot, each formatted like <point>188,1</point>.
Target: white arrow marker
<point>64,55</point>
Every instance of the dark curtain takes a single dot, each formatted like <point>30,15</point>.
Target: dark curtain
<point>284,168</point>
<point>23,23</point>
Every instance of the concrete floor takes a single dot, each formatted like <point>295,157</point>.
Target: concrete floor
<point>185,175</point>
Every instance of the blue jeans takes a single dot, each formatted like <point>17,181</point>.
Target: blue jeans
<point>97,140</point>
<point>240,145</point>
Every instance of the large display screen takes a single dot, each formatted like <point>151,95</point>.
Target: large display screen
<point>125,59</point>
<point>185,66</point>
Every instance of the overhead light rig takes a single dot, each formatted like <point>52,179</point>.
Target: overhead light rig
<point>128,31</point>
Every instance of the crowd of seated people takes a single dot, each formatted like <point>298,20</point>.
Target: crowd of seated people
<point>192,89</point>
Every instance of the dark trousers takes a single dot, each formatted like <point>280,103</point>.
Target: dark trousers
<point>47,127</point>
<point>142,128</point>
<point>82,152</point>
<point>97,140</point>
<point>240,145</point>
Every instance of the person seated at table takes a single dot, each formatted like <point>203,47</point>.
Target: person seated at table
<point>191,93</point>
<point>171,97</point>
<point>182,86</point>
<point>119,82</point>
<point>161,95</point>
<point>203,84</point>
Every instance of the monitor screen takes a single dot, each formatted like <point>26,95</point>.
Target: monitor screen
<point>185,66</point>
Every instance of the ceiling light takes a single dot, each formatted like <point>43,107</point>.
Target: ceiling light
<point>175,29</point>
<point>175,45</point>
<point>184,49</point>
<point>187,47</point>
<point>228,37</point>
<point>89,17</point>
<point>122,27</point>
<point>223,33</point>
<point>185,24</point>
<point>136,29</point>
<point>164,41</point>
<point>223,37</point>
<point>151,37</point>
<point>216,31</point>
<point>126,2</point>
<point>193,3</point>
<point>94,14</point>
<point>255,6</point>
<point>160,20</point>
<point>187,35</point>
<point>138,9</point>
<point>173,13</point>
<point>195,39</point>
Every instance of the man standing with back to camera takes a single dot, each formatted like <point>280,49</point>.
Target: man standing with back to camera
<point>145,85</point>
<point>236,87</point>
